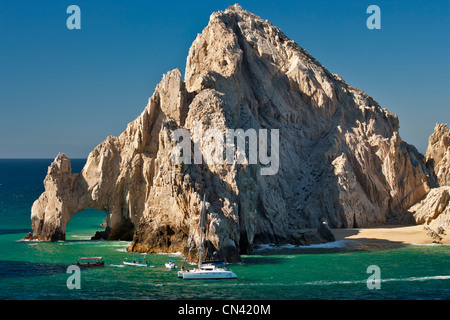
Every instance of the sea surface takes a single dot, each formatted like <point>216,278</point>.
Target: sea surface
<point>339,270</point>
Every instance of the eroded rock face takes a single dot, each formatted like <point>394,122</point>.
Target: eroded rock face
<point>438,155</point>
<point>434,209</point>
<point>341,158</point>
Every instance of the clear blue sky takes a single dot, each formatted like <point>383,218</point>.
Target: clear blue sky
<point>66,90</point>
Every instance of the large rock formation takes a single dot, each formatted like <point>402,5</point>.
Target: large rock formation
<point>340,155</point>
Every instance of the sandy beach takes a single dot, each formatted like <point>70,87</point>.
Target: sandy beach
<point>389,234</point>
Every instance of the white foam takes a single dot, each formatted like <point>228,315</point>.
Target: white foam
<point>170,254</point>
<point>28,240</point>
<point>429,244</point>
<point>110,244</point>
<point>328,245</point>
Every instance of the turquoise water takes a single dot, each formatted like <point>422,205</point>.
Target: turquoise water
<point>37,270</point>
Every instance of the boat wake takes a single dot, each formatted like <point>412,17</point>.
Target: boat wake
<point>327,283</point>
<point>116,265</point>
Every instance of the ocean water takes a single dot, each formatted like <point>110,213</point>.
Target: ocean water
<point>38,270</point>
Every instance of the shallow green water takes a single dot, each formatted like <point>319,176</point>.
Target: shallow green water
<point>37,270</point>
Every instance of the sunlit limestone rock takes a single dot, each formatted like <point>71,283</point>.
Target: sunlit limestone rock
<point>434,209</point>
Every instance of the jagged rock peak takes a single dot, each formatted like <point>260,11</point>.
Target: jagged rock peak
<point>235,8</point>
<point>223,45</point>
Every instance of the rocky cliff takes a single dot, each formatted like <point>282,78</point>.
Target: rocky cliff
<point>340,155</point>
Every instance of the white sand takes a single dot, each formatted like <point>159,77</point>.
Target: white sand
<point>392,234</point>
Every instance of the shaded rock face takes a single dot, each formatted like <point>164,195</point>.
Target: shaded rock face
<point>341,158</point>
<point>325,231</point>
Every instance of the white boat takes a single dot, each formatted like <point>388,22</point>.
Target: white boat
<point>138,262</point>
<point>205,271</point>
<point>171,265</point>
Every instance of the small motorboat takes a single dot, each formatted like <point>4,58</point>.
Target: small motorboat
<point>90,262</point>
<point>137,262</point>
<point>171,264</point>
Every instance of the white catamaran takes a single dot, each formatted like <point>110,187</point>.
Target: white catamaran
<point>207,271</point>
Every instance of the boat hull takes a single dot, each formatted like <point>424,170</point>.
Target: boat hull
<point>87,264</point>
<point>207,275</point>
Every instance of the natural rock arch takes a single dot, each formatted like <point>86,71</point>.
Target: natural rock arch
<point>67,194</point>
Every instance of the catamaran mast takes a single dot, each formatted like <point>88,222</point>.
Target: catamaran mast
<point>189,249</point>
<point>201,233</point>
